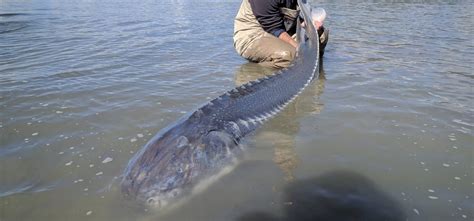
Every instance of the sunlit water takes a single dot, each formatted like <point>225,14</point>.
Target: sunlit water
<point>85,84</point>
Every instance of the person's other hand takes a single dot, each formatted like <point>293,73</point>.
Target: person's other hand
<point>317,24</point>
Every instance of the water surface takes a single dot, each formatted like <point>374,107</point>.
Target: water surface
<point>85,84</point>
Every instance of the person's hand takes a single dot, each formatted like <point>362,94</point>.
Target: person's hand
<point>317,24</point>
<point>287,38</point>
<point>318,15</point>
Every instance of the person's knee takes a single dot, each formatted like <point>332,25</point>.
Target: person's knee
<point>286,55</point>
<point>283,58</point>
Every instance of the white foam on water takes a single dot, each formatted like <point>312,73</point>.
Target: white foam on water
<point>416,211</point>
<point>107,160</point>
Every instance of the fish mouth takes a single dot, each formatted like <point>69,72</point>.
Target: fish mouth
<point>156,203</point>
<point>159,199</point>
<point>164,202</point>
<point>147,196</point>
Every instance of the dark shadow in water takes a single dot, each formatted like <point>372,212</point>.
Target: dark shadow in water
<point>6,27</point>
<point>282,131</point>
<point>322,73</point>
<point>11,14</point>
<point>9,23</point>
<point>334,196</point>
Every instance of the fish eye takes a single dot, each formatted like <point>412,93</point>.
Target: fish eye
<point>150,201</point>
<point>153,202</point>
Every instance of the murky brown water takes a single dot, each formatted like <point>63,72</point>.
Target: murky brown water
<point>85,84</point>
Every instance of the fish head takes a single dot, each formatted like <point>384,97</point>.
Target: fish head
<point>161,172</point>
<point>173,164</point>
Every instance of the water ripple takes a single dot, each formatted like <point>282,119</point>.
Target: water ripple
<point>85,82</point>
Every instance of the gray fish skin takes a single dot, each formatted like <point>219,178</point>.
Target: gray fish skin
<point>201,144</point>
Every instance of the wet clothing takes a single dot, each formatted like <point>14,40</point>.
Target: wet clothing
<point>258,25</point>
<point>255,31</point>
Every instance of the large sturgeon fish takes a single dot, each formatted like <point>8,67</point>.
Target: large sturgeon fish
<point>185,156</point>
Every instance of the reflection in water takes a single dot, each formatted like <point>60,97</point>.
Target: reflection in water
<point>281,133</point>
<point>335,196</point>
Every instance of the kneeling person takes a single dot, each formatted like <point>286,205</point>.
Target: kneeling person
<point>263,31</point>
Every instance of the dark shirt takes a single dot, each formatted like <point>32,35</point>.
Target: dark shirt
<point>269,16</point>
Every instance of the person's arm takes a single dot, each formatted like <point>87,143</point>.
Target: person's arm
<point>287,38</point>
<point>269,16</point>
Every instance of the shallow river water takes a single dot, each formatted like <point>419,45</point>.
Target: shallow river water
<point>386,131</point>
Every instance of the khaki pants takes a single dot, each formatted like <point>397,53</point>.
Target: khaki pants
<point>270,51</point>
